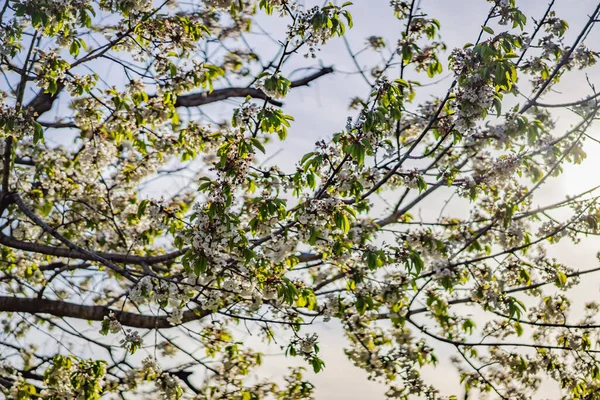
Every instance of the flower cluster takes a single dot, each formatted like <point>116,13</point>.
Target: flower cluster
<point>274,86</point>
<point>501,170</point>
<point>316,26</point>
<point>50,70</point>
<point>167,294</point>
<point>17,123</point>
<point>220,4</point>
<point>317,214</point>
<point>213,240</point>
<point>111,324</point>
<point>307,344</point>
<point>474,99</point>
<point>129,6</point>
<point>401,7</point>
<point>132,341</point>
<point>246,114</point>
<point>169,386</point>
<point>69,377</point>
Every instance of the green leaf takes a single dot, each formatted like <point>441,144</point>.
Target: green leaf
<point>258,145</point>
<point>361,305</point>
<point>38,133</point>
<point>142,208</point>
<point>498,107</point>
<point>468,326</point>
<point>487,29</point>
<point>74,48</point>
<point>341,221</point>
<point>518,328</point>
<point>372,260</point>
<point>317,364</point>
<point>306,157</point>
<point>562,278</point>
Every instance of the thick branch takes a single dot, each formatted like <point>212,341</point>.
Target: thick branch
<point>198,99</point>
<point>307,80</point>
<point>58,125</point>
<point>43,101</point>
<point>91,313</point>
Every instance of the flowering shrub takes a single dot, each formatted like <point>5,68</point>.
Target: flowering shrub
<point>335,238</point>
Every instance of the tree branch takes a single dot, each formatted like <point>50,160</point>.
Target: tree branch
<point>198,99</point>
<point>52,231</point>
<point>565,59</point>
<point>307,80</point>
<point>92,313</point>
<point>71,253</point>
<point>43,101</point>
<point>114,257</point>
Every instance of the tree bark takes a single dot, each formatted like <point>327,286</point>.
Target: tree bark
<point>92,313</point>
